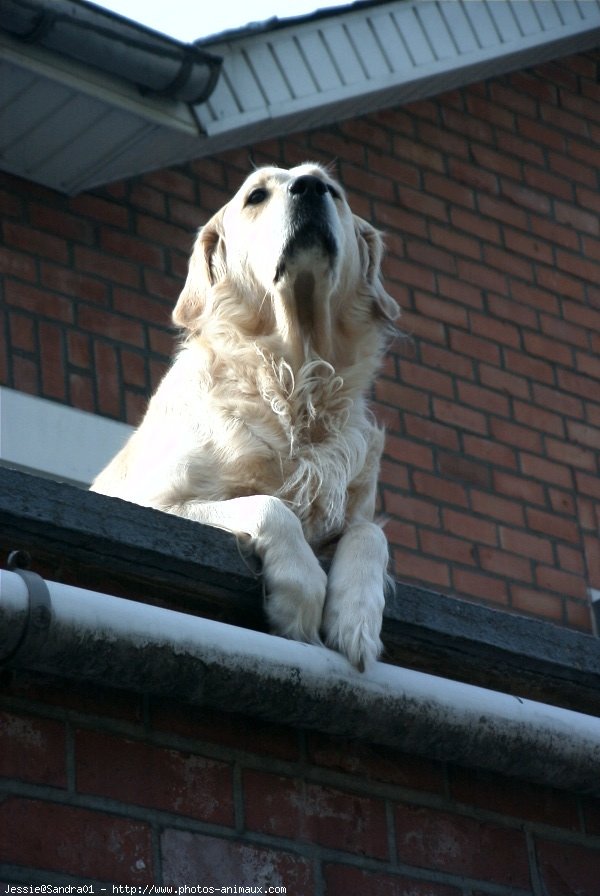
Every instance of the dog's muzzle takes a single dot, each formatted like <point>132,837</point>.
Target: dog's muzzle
<point>310,224</point>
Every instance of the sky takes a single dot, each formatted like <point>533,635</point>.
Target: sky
<point>187,20</point>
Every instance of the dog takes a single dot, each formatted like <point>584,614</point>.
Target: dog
<point>261,426</point>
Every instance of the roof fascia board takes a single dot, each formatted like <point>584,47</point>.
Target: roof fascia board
<point>235,114</point>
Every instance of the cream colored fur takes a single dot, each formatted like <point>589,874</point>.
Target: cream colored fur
<point>260,426</point>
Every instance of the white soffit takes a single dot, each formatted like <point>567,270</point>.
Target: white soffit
<point>73,127</point>
<point>329,67</point>
<point>56,441</point>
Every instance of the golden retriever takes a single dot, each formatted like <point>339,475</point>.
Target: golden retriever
<point>261,425</point>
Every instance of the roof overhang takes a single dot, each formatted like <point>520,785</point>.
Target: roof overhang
<point>73,126</point>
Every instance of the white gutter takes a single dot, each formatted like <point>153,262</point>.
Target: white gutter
<point>67,631</point>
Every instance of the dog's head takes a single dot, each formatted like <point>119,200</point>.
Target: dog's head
<point>288,246</point>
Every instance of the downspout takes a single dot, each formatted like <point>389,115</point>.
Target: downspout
<point>106,640</point>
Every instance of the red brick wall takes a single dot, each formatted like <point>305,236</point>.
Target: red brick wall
<point>117,789</point>
<point>489,198</point>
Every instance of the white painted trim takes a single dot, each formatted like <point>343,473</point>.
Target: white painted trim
<point>56,441</point>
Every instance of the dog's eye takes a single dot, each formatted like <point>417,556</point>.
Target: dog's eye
<point>333,192</point>
<point>256,196</point>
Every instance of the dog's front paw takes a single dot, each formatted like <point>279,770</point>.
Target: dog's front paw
<point>295,587</point>
<point>354,634</point>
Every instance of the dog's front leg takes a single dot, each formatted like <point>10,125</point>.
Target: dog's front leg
<point>295,584</point>
<point>355,594</point>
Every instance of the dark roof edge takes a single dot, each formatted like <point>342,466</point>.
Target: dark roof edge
<point>158,65</point>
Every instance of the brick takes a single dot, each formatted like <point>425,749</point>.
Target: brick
<point>52,357</point>
<point>144,775</point>
<point>23,332</point>
<point>567,584</point>
<point>463,469</point>
<point>343,880</point>
<point>407,507</point>
<point>508,262</point>
<point>573,455</point>
<point>505,309</point>
<point>374,762</point>
<point>486,588</point>
<point>545,470</point>
<point>477,347</point>
<point>514,798</point>
<point>474,223</point>
<point>496,330</point>
<point>441,310</point>
<point>530,367</point>
<point>553,525</point>
<point>476,176</point>
<point>33,749</point>
<point>578,615</point>
<point>504,381</point>
<point>36,242</point>
<point>402,396</point>
<point>18,264</point>
<point>518,487</point>
<point>188,857</point>
<point>131,247</point>
<point>461,292</point>
<point>431,432</point>
<point>419,569</point>
<point>558,402</point>
<point>568,868</point>
<point>440,489</point>
<point>503,211</point>
<point>409,452</point>
<point>582,315</point>
<point>237,731</point>
<point>517,148</point>
<point>459,844</point>
<point>457,415</point>
<point>435,356</point>
<point>577,217</point>
<point>367,181</point>
<point>70,840</point>
<point>115,326</point>
<point>537,417</point>
<point>505,564</point>
<point>393,217</point>
<point>537,603</point>
<point>516,435</point>
<point>72,283</point>
<point>489,451</point>
<point>484,399</point>
<point>456,550</point>
<point>39,301</point>
<point>526,545</point>
<point>470,527</point>
<point>108,382</point>
<point>97,208</point>
<point>106,266</point>
<point>592,559</point>
<point>481,274</point>
<point>426,379</point>
<point>171,181</point>
<point>555,233</point>
<point>290,807</point>
<point>71,227</point>
<point>491,505</point>
<point>560,330</point>
<point>582,434</point>
<point>421,156</point>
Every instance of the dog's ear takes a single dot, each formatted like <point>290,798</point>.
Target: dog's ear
<point>206,268</point>
<point>370,246</point>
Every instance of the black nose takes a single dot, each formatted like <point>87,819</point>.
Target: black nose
<point>307,185</point>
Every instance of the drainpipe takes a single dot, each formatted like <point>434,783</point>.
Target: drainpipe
<point>102,639</point>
